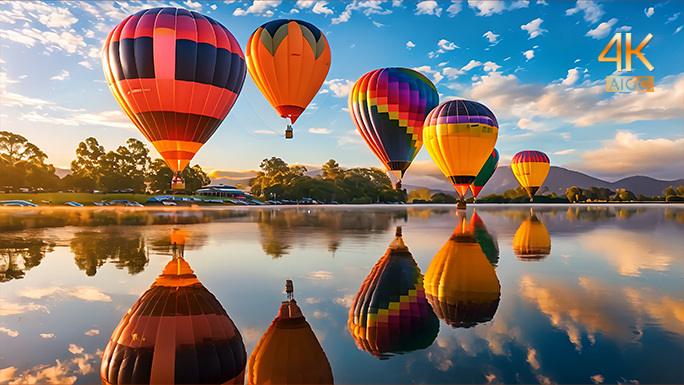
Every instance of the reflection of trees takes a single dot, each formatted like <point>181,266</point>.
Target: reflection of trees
<point>17,255</point>
<point>280,228</point>
<point>164,244</point>
<point>92,249</point>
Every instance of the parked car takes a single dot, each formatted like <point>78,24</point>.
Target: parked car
<point>117,202</point>
<point>18,203</point>
<point>73,204</point>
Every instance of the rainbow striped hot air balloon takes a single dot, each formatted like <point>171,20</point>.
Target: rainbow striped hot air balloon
<point>530,169</point>
<point>176,74</point>
<point>388,107</point>
<point>485,173</point>
<point>460,135</point>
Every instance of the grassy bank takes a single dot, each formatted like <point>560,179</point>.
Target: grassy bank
<point>58,199</point>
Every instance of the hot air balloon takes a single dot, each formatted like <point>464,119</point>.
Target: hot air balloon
<point>485,173</point>
<point>532,241</point>
<point>460,284</point>
<point>530,169</point>
<point>390,314</point>
<point>487,241</point>
<point>460,135</point>
<point>176,333</point>
<point>288,60</point>
<point>388,107</point>
<point>176,74</point>
<point>289,352</point>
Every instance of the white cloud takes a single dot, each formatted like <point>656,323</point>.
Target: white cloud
<point>447,45</point>
<point>304,3</point>
<point>487,7</point>
<point>51,40</point>
<point>345,301</point>
<point>75,349</point>
<point>491,36</point>
<point>265,132</point>
<point>624,28</point>
<point>429,7</point>
<point>339,87</point>
<point>490,66</point>
<point>86,64</point>
<point>530,125</point>
<point>320,274</point>
<point>452,73</point>
<point>321,9</point>
<point>592,11</point>
<point>368,8</point>
<point>9,332</point>
<point>673,17</point>
<point>677,30</point>
<point>375,23</point>
<point>534,28</point>
<point>565,135</point>
<point>62,76</point>
<point>603,29</point>
<point>59,17</point>
<point>649,11</point>
<point>259,8</point>
<point>529,54</point>
<point>437,77</point>
<point>661,157</point>
<point>471,64</point>
<point>410,44</point>
<point>564,152</point>
<point>518,4</point>
<point>47,335</point>
<point>454,8</point>
<point>573,76</point>
<point>12,99</point>
<point>11,308</point>
<point>92,332</point>
<point>323,131</point>
<point>193,4</point>
<point>86,293</point>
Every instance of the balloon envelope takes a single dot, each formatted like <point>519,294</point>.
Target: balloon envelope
<point>460,284</point>
<point>390,314</point>
<point>388,107</point>
<point>176,333</point>
<point>485,173</point>
<point>176,74</point>
<point>460,135</point>
<point>532,240</point>
<point>288,60</point>
<point>530,169</point>
<point>488,242</point>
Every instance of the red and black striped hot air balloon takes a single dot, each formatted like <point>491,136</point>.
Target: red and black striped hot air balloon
<point>176,74</point>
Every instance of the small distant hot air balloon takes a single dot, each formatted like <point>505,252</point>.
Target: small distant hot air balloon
<point>176,74</point>
<point>485,173</point>
<point>288,60</point>
<point>390,314</point>
<point>289,352</point>
<point>532,240</point>
<point>460,284</point>
<point>176,333</point>
<point>487,241</point>
<point>530,169</point>
<point>388,107</point>
<point>460,135</point>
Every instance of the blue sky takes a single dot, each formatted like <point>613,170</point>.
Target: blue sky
<point>534,64</point>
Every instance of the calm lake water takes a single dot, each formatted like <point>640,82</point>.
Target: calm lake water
<point>566,294</point>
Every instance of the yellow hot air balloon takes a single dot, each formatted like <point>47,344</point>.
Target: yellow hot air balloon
<point>289,352</point>
<point>530,169</point>
<point>460,135</point>
<point>460,283</point>
<point>532,241</point>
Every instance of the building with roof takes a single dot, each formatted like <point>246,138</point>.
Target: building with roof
<point>222,191</point>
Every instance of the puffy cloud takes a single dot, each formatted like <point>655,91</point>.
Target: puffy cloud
<point>660,157</point>
<point>340,87</point>
<point>62,76</point>
<point>86,293</point>
<point>47,335</point>
<point>11,308</point>
<point>491,36</point>
<point>51,40</point>
<point>410,44</point>
<point>92,332</point>
<point>429,7</point>
<point>265,132</point>
<point>673,17</point>
<point>367,7</point>
<point>454,8</point>
<point>471,64</point>
<point>350,137</point>
<point>447,45</point>
<point>603,29</point>
<point>452,73</point>
<point>321,9</point>
<point>304,3</point>
<point>375,23</point>
<point>86,64</point>
<point>534,28</point>
<point>345,301</point>
<point>592,11</point>
<point>12,99</point>
<point>323,131</point>
<point>9,332</point>
<point>564,152</point>
<point>490,66</point>
<point>259,8</point>
<point>529,54</point>
<point>487,7</point>
<point>528,124</point>
<point>677,30</point>
<point>58,17</point>
<point>573,76</point>
<point>193,4</point>
<point>437,77</point>
<point>75,349</point>
<point>624,28</point>
<point>649,11</point>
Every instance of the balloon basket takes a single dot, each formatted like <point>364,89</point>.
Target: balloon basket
<point>288,132</point>
<point>460,205</point>
<point>177,183</point>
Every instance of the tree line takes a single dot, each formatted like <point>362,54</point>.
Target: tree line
<point>277,180</point>
<point>23,167</point>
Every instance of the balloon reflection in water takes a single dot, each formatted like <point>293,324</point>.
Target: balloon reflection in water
<point>460,284</point>
<point>532,241</point>
<point>176,333</point>
<point>289,352</point>
<point>487,241</point>
<point>390,314</point>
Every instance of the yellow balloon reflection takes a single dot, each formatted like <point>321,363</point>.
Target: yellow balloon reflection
<point>289,352</point>
<point>460,283</point>
<point>176,333</point>
<point>531,241</point>
<point>390,314</point>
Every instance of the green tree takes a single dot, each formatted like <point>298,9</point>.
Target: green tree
<point>15,148</point>
<point>625,195</point>
<point>160,175</point>
<point>332,170</point>
<point>680,191</point>
<point>88,156</point>
<point>422,194</point>
<point>22,164</point>
<point>443,198</point>
<point>574,194</point>
<point>669,191</point>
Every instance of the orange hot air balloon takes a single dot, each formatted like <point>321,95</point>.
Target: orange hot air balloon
<point>176,74</point>
<point>176,333</point>
<point>460,283</point>
<point>288,60</point>
<point>530,169</point>
<point>532,241</point>
<point>289,352</point>
<point>460,135</point>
